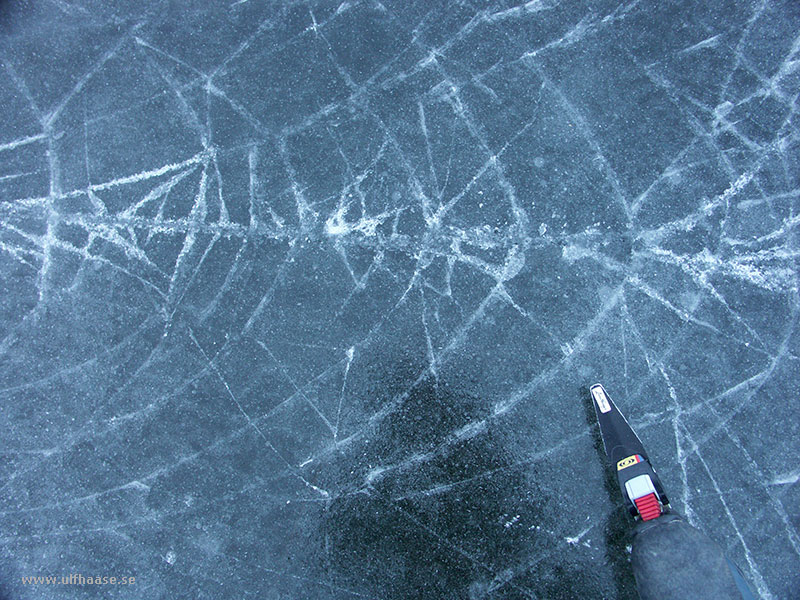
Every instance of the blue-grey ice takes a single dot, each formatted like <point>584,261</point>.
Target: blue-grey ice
<point>302,299</point>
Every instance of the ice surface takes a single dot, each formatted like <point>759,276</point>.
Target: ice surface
<point>301,300</point>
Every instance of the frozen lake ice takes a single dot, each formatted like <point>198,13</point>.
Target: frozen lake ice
<point>302,299</point>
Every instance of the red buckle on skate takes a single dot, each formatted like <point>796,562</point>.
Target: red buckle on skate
<point>648,507</point>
